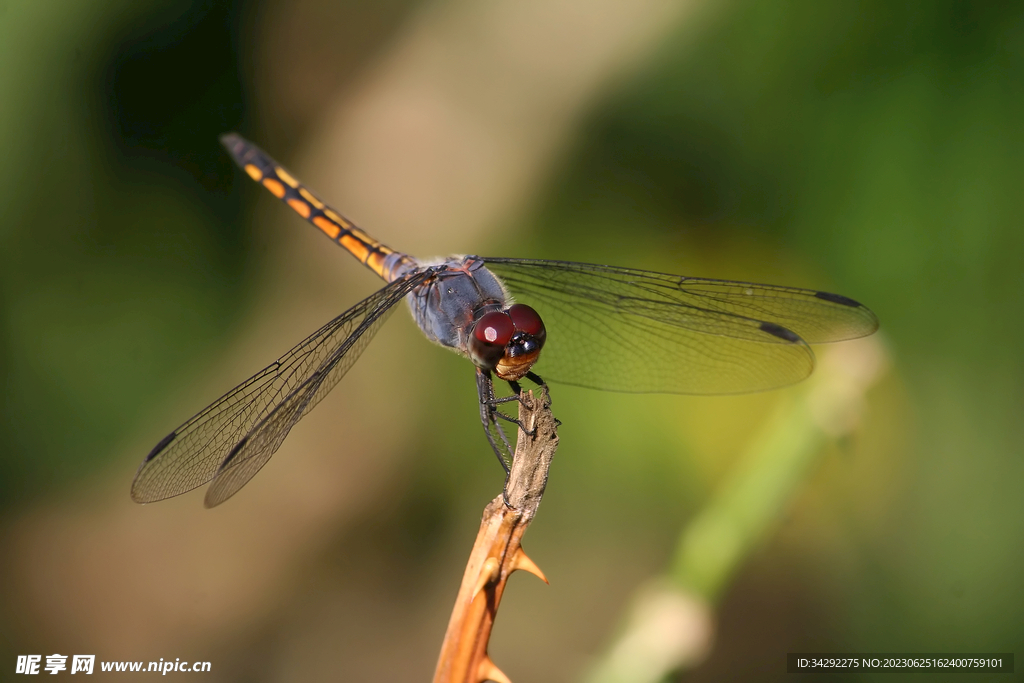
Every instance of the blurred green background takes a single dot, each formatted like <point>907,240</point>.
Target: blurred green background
<point>870,148</point>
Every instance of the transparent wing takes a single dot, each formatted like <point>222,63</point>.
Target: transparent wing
<point>629,330</point>
<point>235,436</point>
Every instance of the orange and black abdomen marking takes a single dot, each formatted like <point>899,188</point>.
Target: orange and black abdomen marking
<point>282,185</point>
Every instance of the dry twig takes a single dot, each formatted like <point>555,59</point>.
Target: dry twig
<point>497,551</point>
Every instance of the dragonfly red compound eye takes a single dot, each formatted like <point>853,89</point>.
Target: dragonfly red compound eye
<point>526,319</point>
<point>494,329</point>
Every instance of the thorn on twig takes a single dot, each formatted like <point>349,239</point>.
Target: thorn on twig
<point>488,671</point>
<point>488,574</point>
<point>522,561</point>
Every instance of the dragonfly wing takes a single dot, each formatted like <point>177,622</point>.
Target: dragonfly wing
<point>629,330</point>
<point>235,436</point>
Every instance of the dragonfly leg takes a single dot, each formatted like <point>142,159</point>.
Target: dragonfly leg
<point>489,415</point>
<point>488,418</point>
<point>536,379</point>
<point>517,393</point>
<point>488,399</point>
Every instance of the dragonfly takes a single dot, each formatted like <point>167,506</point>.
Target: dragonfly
<point>597,326</point>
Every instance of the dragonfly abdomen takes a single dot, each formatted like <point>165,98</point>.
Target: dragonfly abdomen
<point>378,257</point>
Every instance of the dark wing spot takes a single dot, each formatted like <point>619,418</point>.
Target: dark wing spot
<point>160,446</point>
<point>838,299</point>
<point>234,451</point>
<point>780,332</point>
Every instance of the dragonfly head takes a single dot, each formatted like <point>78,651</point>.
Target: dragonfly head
<point>508,342</point>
